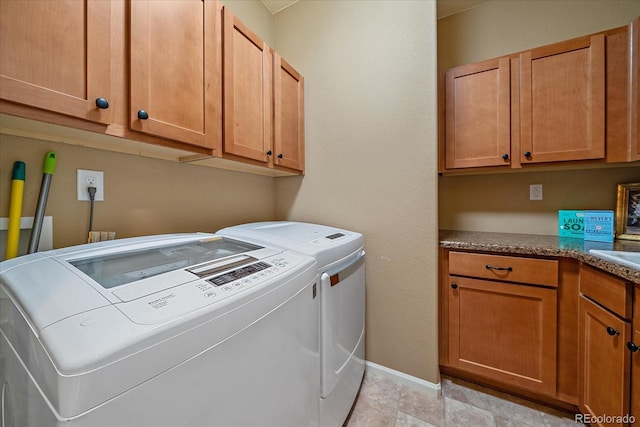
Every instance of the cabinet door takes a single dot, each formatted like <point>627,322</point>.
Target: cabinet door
<point>56,55</point>
<point>635,380</point>
<point>603,362</point>
<point>635,358</point>
<point>175,70</point>
<point>504,332</point>
<point>289,115</point>
<point>478,115</point>
<point>562,101</point>
<point>634,34</point>
<point>248,94</point>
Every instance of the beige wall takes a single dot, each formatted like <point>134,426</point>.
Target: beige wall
<point>501,27</point>
<point>255,15</point>
<point>143,196</point>
<point>370,99</point>
<point>501,202</point>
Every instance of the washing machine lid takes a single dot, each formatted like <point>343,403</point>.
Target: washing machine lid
<point>55,285</point>
<point>327,244</point>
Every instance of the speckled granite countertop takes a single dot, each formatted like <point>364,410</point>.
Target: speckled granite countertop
<point>552,246</point>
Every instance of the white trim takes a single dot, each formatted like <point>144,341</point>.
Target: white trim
<point>402,378</point>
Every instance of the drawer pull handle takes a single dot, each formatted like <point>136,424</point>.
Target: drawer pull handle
<point>491,267</point>
<point>454,286</point>
<point>612,331</point>
<point>632,347</point>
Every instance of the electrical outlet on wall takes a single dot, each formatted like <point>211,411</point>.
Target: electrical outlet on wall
<point>535,192</point>
<point>86,179</point>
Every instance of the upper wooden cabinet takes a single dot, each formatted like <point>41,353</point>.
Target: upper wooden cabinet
<point>478,115</point>
<point>263,102</point>
<point>248,98</point>
<point>150,75</point>
<point>175,58</point>
<point>288,93</point>
<point>635,89</point>
<point>573,101</point>
<point>562,101</point>
<point>56,56</point>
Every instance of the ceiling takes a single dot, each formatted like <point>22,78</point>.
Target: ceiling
<point>445,7</point>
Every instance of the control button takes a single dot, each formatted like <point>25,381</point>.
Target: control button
<point>209,294</point>
<point>227,288</point>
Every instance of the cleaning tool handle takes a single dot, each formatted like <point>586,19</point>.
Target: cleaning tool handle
<point>19,171</point>
<point>48,168</point>
<point>15,210</point>
<point>49,163</point>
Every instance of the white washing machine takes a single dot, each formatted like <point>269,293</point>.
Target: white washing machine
<point>340,257</point>
<point>174,330</point>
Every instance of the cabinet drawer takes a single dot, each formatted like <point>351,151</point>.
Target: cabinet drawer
<point>612,292</point>
<point>504,268</point>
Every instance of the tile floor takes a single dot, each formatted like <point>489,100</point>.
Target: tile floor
<point>385,403</point>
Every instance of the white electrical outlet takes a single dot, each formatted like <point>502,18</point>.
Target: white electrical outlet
<point>535,192</point>
<point>86,179</point>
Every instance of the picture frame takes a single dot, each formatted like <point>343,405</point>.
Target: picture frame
<point>628,212</point>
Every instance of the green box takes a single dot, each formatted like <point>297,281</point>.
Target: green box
<point>571,224</point>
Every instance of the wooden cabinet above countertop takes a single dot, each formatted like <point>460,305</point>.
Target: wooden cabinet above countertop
<point>569,104</point>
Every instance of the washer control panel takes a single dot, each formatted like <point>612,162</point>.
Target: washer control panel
<point>179,300</point>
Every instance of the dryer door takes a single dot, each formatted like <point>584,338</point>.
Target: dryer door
<point>342,308</point>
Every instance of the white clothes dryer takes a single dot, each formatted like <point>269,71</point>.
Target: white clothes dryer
<point>174,330</point>
<point>340,257</point>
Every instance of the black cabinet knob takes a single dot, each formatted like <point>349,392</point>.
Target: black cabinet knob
<point>102,103</point>
<point>527,153</point>
<point>505,156</point>
<point>280,156</point>
<point>612,331</point>
<point>143,115</point>
<point>269,153</point>
<point>632,347</point>
<point>454,286</point>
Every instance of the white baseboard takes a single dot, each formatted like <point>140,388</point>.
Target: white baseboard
<point>402,378</point>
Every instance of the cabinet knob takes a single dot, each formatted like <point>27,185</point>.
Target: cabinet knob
<point>280,156</point>
<point>102,103</point>
<point>505,156</point>
<point>454,286</point>
<point>269,153</point>
<point>527,153</point>
<point>612,331</point>
<point>632,347</point>
<point>143,115</point>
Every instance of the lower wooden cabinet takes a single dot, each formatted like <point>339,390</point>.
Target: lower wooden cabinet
<point>634,347</point>
<point>603,378</point>
<point>500,318</point>
<point>604,356</point>
<point>504,331</point>
<point>553,329</point>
